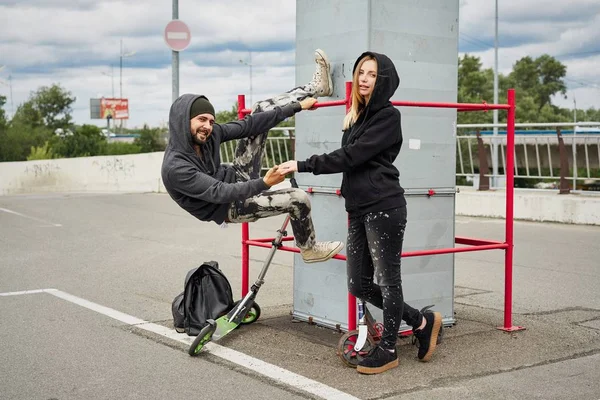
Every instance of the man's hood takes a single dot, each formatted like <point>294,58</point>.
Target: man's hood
<point>386,84</point>
<point>180,136</point>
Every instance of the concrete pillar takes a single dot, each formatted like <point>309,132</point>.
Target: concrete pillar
<point>422,40</point>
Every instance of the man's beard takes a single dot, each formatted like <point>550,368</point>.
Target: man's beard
<point>197,137</point>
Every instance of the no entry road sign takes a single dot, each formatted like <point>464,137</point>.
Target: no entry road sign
<point>177,35</point>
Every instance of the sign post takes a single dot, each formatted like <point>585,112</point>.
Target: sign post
<point>177,36</point>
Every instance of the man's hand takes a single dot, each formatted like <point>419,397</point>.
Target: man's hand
<point>272,177</point>
<point>308,103</point>
<point>288,167</point>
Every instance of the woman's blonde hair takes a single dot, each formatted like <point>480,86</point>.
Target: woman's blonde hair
<point>358,101</point>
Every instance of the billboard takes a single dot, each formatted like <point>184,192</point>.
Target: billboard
<point>115,108</point>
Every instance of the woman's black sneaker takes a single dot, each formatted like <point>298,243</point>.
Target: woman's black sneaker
<point>377,361</point>
<point>428,336</point>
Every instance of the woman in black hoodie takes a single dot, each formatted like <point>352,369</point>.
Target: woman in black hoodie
<point>376,207</point>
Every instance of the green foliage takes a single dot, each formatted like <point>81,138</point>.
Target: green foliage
<point>3,121</point>
<point>17,140</point>
<point>27,114</point>
<point>87,140</point>
<point>54,105</point>
<point>535,82</point>
<point>40,153</point>
<point>48,106</point>
<point>223,117</point>
<point>119,149</point>
<point>150,140</point>
<point>540,78</point>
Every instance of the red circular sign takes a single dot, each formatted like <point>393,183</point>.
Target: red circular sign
<point>177,35</point>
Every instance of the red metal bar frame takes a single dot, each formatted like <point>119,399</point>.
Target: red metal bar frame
<point>474,244</point>
<point>245,226</point>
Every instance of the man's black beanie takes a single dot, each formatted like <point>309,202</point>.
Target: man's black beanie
<point>201,106</point>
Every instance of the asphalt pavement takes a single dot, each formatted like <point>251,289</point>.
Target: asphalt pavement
<point>87,281</point>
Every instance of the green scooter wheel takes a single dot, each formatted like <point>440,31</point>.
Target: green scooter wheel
<point>203,337</point>
<point>252,315</point>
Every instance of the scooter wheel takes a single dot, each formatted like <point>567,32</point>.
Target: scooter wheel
<point>252,315</point>
<point>346,352</point>
<point>203,337</point>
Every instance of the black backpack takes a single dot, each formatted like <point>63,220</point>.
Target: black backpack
<point>207,295</point>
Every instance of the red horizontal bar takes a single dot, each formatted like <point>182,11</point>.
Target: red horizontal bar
<point>470,109</point>
<point>285,248</point>
<point>458,106</point>
<point>330,103</point>
<point>271,239</point>
<point>461,106</point>
<point>454,250</point>
<point>405,254</point>
<point>474,242</point>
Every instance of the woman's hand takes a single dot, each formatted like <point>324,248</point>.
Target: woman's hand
<point>288,167</point>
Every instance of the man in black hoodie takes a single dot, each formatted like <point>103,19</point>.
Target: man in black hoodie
<point>195,178</point>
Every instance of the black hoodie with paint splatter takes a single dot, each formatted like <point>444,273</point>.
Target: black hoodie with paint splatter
<point>369,148</point>
<point>203,186</point>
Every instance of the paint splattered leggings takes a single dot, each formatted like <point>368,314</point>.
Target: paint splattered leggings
<point>247,163</point>
<point>373,251</point>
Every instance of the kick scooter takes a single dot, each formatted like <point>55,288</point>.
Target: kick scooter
<point>245,311</point>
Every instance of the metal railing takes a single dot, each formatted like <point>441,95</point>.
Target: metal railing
<point>278,148</point>
<point>537,152</point>
<point>544,155</point>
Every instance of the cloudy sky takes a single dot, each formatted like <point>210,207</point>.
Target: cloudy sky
<point>78,44</point>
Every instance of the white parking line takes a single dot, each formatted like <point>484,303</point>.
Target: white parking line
<point>6,210</point>
<point>272,371</point>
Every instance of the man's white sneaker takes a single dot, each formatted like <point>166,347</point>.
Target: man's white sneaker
<point>321,251</point>
<point>321,80</point>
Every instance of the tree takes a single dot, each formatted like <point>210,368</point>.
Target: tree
<point>149,140</point>
<point>49,106</point>
<point>41,152</point>
<point>474,86</point>
<point>18,139</point>
<point>3,121</point>
<point>540,78</point>
<point>223,117</point>
<point>86,141</point>
<point>473,83</point>
<point>27,114</point>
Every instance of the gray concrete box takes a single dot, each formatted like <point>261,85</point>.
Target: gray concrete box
<point>421,38</point>
<point>320,289</point>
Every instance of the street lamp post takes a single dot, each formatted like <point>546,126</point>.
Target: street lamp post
<point>112,79</point>
<point>122,55</point>
<point>249,64</point>
<point>12,106</point>
<point>495,113</point>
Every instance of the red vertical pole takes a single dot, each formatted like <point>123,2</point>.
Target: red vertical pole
<point>351,299</point>
<point>510,191</point>
<point>241,105</point>
<point>245,226</point>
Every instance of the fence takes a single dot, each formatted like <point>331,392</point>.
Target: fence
<point>471,244</point>
<point>542,157</point>
<point>537,153</point>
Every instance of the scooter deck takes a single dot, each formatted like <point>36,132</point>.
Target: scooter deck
<point>232,319</point>
<point>224,326</point>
